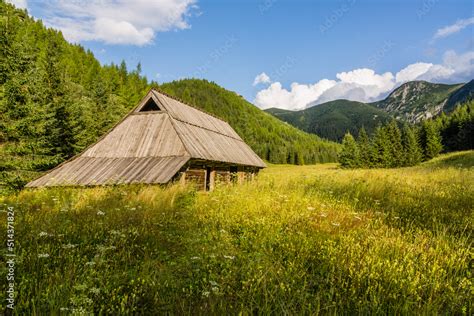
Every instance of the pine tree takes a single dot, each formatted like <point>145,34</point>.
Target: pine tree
<point>430,140</point>
<point>411,146</point>
<point>349,156</point>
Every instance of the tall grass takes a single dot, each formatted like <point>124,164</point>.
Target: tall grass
<point>306,240</point>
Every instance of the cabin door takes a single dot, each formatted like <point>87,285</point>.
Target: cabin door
<point>208,179</point>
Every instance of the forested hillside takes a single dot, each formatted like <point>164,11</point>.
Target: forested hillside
<point>56,99</point>
<point>333,119</point>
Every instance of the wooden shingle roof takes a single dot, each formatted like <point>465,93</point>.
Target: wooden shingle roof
<point>152,146</point>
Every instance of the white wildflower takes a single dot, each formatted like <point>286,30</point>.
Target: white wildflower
<point>43,255</point>
<point>43,234</point>
<point>215,289</point>
<point>229,257</point>
<point>69,246</point>
<point>94,290</point>
<point>206,293</point>
<point>195,258</point>
<point>90,263</point>
<point>100,213</point>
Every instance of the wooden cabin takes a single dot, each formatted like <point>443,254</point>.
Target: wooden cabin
<point>160,140</point>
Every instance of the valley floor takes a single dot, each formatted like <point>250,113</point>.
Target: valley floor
<point>300,239</point>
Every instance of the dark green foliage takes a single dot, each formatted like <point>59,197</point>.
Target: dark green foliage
<point>388,148</point>
<point>266,135</point>
<point>333,119</point>
<point>412,154</point>
<point>365,150</point>
<point>349,157</point>
<point>430,140</point>
<point>457,128</point>
<point>55,98</point>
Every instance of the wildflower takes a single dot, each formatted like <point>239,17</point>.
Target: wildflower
<point>90,263</point>
<point>229,257</point>
<point>43,255</point>
<point>63,309</point>
<point>335,224</point>
<point>215,289</point>
<point>69,246</point>
<point>396,217</point>
<point>43,234</point>
<point>310,208</point>
<point>223,231</point>
<point>100,213</point>
<point>195,258</point>
<point>94,290</point>
<point>206,293</point>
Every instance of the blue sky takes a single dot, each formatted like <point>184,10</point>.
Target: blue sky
<point>304,51</point>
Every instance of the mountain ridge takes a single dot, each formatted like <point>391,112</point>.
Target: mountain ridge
<point>412,102</point>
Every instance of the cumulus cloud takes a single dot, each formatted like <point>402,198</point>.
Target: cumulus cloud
<point>22,4</point>
<point>453,28</point>
<point>261,78</point>
<point>365,85</point>
<point>118,21</point>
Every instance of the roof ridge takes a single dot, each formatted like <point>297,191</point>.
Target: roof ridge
<point>190,105</point>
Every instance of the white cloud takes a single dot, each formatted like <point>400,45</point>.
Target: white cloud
<point>261,78</point>
<point>453,28</point>
<point>22,4</point>
<point>118,21</point>
<point>364,84</point>
<point>298,96</point>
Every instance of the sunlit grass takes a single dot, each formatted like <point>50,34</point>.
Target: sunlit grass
<point>310,239</point>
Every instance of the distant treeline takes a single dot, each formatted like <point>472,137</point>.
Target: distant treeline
<point>391,146</point>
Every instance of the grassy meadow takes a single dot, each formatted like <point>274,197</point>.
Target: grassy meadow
<point>298,240</point>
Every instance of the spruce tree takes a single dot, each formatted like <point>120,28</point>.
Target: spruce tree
<point>364,148</point>
<point>381,153</point>
<point>394,138</point>
<point>411,146</point>
<point>349,156</point>
<point>431,140</point>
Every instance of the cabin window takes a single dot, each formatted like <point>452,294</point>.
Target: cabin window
<point>150,105</point>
